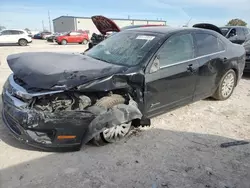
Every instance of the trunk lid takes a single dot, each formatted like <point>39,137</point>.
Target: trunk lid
<point>208,26</point>
<point>104,24</point>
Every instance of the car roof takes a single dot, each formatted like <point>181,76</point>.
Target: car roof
<point>169,30</point>
<point>233,27</point>
<point>14,30</point>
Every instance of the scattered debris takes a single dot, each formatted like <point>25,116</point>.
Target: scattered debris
<point>200,144</point>
<point>165,185</point>
<point>235,143</point>
<point>21,177</point>
<point>173,170</point>
<point>136,161</point>
<point>209,170</point>
<point>187,169</point>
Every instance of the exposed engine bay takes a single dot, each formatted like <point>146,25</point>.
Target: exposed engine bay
<point>46,117</point>
<point>49,107</point>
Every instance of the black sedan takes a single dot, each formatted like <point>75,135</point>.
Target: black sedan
<point>55,100</point>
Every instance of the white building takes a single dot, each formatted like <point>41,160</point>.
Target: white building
<point>70,23</point>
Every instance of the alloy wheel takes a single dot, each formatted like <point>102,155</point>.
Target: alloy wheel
<point>228,85</point>
<point>116,133</point>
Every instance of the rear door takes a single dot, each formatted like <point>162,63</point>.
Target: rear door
<point>80,37</point>
<point>173,83</point>
<point>15,35</point>
<point>210,53</point>
<point>73,37</point>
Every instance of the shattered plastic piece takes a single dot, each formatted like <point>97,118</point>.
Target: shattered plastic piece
<point>117,115</point>
<point>236,143</point>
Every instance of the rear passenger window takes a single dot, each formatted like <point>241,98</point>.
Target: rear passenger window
<point>208,44</point>
<point>14,32</point>
<point>221,45</point>
<point>176,49</point>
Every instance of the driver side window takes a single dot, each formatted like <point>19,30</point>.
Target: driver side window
<point>176,49</point>
<point>232,33</point>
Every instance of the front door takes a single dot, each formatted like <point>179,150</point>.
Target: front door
<point>173,83</point>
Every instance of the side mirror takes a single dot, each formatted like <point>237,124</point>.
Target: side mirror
<point>156,65</point>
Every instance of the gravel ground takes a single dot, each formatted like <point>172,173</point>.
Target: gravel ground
<point>180,149</point>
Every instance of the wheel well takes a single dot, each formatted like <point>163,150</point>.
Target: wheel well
<point>22,39</point>
<point>237,75</point>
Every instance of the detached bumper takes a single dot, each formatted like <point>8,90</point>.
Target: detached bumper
<point>43,130</point>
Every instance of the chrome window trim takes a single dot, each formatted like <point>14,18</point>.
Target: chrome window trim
<point>181,62</point>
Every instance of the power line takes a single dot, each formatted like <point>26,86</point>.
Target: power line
<point>49,21</point>
<point>43,25</point>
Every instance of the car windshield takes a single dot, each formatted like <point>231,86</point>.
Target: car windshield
<point>224,30</point>
<point>124,48</point>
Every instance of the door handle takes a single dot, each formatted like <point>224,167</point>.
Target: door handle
<point>190,68</point>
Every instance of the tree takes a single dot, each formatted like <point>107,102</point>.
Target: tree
<point>236,22</point>
<point>2,27</point>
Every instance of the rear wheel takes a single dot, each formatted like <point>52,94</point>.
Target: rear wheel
<point>23,42</point>
<point>116,133</point>
<point>226,86</point>
<point>85,42</point>
<point>64,42</point>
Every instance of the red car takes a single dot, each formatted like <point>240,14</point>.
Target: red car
<point>80,37</point>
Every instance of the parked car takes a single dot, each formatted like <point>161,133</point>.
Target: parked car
<point>59,100</point>
<point>246,45</point>
<point>15,36</point>
<point>33,33</point>
<point>73,37</point>
<point>109,27</point>
<point>37,36</point>
<point>45,34</point>
<point>236,34</point>
<point>52,37</point>
<point>42,35</point>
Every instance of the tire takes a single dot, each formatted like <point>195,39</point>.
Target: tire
<point>22,42</point>
<point>121,130</point>
<point>226,86</point>
<point>64,42</point>
<point>85,42</point>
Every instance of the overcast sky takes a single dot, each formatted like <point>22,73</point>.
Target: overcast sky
<point>30,13</point>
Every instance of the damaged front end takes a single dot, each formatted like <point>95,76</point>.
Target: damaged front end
<point>66,118</point>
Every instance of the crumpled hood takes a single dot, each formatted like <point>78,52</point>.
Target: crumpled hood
<point>52,71</point>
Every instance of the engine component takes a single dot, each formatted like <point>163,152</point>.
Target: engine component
<point>110,101</point>
<point>84,102</point>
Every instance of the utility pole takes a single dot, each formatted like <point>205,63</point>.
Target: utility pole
<point>49,21</point>
<point>43,25</point>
